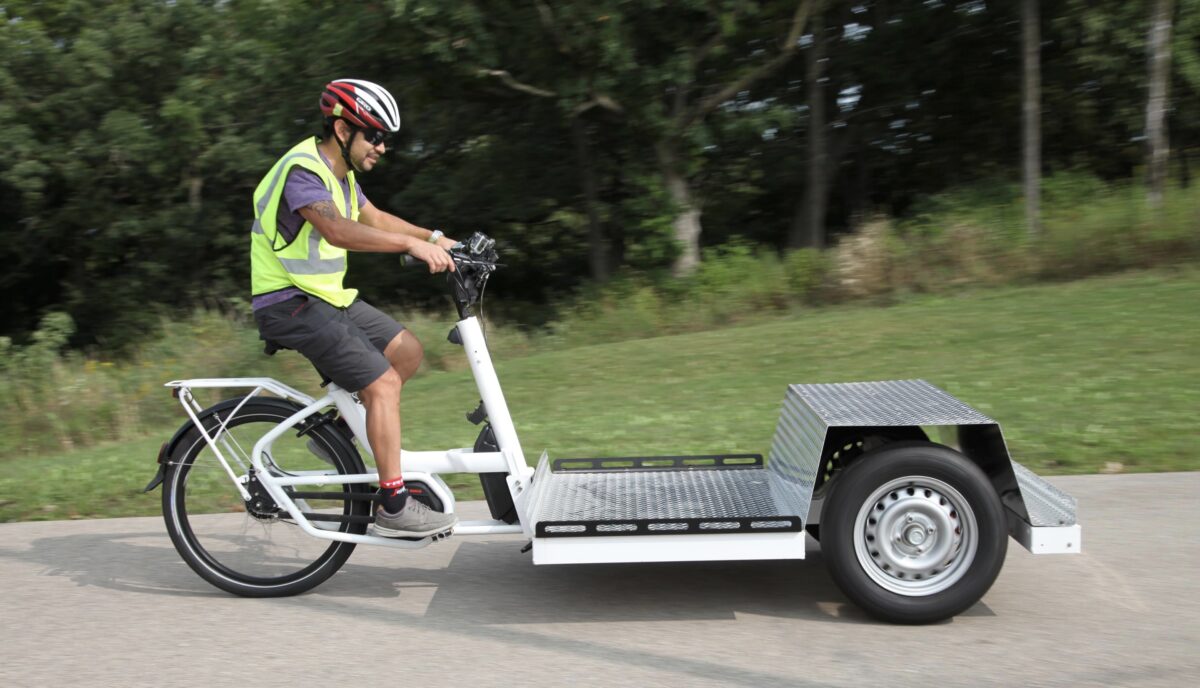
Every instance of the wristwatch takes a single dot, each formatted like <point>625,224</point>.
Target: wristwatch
<point>437,234</point>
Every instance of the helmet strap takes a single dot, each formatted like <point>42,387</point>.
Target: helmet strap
<point>345,148</point>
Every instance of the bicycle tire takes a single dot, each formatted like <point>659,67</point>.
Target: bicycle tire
<point>216,558</point>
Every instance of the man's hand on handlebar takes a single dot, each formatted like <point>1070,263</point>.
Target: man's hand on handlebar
<point>433,255</point>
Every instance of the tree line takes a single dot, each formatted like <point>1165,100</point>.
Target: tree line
<point>588,136</point>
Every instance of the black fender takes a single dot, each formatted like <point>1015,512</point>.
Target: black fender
<point>157,480</point>
<point>164,456</point>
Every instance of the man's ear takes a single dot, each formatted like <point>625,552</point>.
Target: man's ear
<point>343,132</point>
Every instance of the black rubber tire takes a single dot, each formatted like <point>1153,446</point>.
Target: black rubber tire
<point>901,460</point>
<point>192,444</point>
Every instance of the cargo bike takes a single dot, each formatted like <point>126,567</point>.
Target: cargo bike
<point>911,530</point>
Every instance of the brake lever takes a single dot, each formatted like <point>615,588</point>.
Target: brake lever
<point>457,253</point>
<point>480,263</point>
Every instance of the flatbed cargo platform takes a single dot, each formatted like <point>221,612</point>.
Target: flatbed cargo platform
<point>736,506</point>
<point>680,508</point>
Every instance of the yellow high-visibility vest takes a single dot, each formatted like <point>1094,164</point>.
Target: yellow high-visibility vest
<point>308,262</point>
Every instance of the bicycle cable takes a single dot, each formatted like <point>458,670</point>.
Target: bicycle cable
<point>482,292</point>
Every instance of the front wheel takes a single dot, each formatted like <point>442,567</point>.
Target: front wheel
<point>251,547</point>
<point>913,532</point>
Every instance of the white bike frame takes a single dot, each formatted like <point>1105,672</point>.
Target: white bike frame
<point>423,466</point>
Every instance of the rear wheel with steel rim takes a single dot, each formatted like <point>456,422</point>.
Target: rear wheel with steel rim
<point>913,532</point>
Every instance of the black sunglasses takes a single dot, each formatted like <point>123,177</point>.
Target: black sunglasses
<point>376,136</point>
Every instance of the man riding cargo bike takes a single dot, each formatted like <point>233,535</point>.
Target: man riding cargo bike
<point>309,212</point>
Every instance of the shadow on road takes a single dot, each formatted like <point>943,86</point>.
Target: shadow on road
<point>132,562</point>
<point>487,582</point>
<point>486,591</point>
<point>492,582</point>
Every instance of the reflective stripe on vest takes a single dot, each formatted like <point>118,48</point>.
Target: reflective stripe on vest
<point>261,206</point>
<point>314,264</point>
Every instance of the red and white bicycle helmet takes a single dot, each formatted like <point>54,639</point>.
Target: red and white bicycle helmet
<point>361,103</point>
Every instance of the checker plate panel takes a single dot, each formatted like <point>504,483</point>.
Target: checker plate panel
<point>895,402</point>
<point>650,495</point>
<point>1047,505</point>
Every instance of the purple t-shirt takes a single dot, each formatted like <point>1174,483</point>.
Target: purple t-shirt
<point>301,189</point>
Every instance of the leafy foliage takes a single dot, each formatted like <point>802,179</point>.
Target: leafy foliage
<point>577,133</point>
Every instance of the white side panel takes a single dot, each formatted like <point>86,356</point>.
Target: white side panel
<point>1046,539</point>
<point>651,548</point>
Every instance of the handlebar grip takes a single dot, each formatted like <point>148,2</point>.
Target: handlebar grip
<point>407,259</point>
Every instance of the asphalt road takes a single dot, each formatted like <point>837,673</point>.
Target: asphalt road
<point>109,603</point>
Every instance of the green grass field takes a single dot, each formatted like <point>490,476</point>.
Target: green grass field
<point>1095,375</point>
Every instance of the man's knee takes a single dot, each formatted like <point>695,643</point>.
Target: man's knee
<point>412,346</point>
<point>405,353</point>
<point>404,344</point>
<point>385,386</point>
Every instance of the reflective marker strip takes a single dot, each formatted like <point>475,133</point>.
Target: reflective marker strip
<point>256,228</point>
<point>314,264</point>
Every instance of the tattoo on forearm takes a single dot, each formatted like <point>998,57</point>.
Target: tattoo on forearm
<point>325,209</point>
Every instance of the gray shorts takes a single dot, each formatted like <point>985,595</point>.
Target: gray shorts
<point>346,345</point>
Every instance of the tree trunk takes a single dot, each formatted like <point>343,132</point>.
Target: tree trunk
<point>599,250</point>
<point>195,185</point>
<point>687,219</point>
<point>808,223</point>
<point>1158,44</point>
<point>1031,120</point>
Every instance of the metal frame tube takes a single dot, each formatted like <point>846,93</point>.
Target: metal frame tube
<point>518,469</point>
<point>420,466</point>
<point>185,396</point>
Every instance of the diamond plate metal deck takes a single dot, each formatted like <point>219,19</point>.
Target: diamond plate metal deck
<point>895,402</point>
<point>796,450</point>
<point>1047,505</point>
<point>667,495</point>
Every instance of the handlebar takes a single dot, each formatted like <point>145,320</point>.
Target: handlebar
<point>474,261</point>
<point>478,251</point>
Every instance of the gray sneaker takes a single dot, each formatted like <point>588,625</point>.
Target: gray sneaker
<point>415,520</point>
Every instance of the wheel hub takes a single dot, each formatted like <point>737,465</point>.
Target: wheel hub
<point>914,536</point>
<point>260,505</point>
